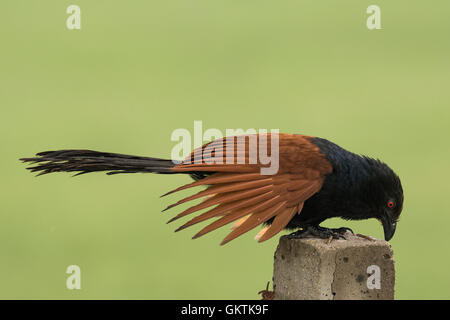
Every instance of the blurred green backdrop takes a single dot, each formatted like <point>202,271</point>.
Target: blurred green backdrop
<point>137,70</point>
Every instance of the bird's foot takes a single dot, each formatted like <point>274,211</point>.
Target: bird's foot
<point>320,232</point>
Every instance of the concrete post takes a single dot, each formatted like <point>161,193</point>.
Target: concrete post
<point>355,268</point>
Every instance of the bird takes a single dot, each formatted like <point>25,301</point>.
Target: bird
<point>316,180</point>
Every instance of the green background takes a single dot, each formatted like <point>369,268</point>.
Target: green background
<point>137,70</point>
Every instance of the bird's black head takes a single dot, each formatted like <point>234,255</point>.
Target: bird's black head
<point>382,191</point>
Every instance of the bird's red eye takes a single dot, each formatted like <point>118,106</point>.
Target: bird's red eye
<point>391,204</point>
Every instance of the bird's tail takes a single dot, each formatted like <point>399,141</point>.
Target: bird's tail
<point>85,161</point>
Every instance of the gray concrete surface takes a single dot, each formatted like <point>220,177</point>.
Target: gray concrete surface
<point>313,269</point>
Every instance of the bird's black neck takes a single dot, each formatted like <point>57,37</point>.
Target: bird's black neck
<point>345,185</point>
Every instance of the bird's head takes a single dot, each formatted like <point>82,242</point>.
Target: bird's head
<point>385,194</point>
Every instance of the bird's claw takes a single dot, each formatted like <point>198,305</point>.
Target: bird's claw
<point>343,230</point>
<point>320,232</point>
<point>365,237</point>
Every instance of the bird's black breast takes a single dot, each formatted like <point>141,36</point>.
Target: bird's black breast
<point>335,195</point>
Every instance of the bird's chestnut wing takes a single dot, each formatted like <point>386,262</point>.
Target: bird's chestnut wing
<point>236,189</point>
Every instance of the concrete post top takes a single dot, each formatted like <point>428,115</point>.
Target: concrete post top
<point>350,241</point>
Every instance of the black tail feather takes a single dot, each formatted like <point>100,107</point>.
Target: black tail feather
<point>85,161</point>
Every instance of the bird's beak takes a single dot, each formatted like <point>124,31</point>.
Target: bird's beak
<point>389,227</point>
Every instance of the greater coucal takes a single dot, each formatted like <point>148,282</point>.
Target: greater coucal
<point>316,180</point>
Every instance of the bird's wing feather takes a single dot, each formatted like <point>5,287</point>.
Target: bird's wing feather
<point>238,190</point>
